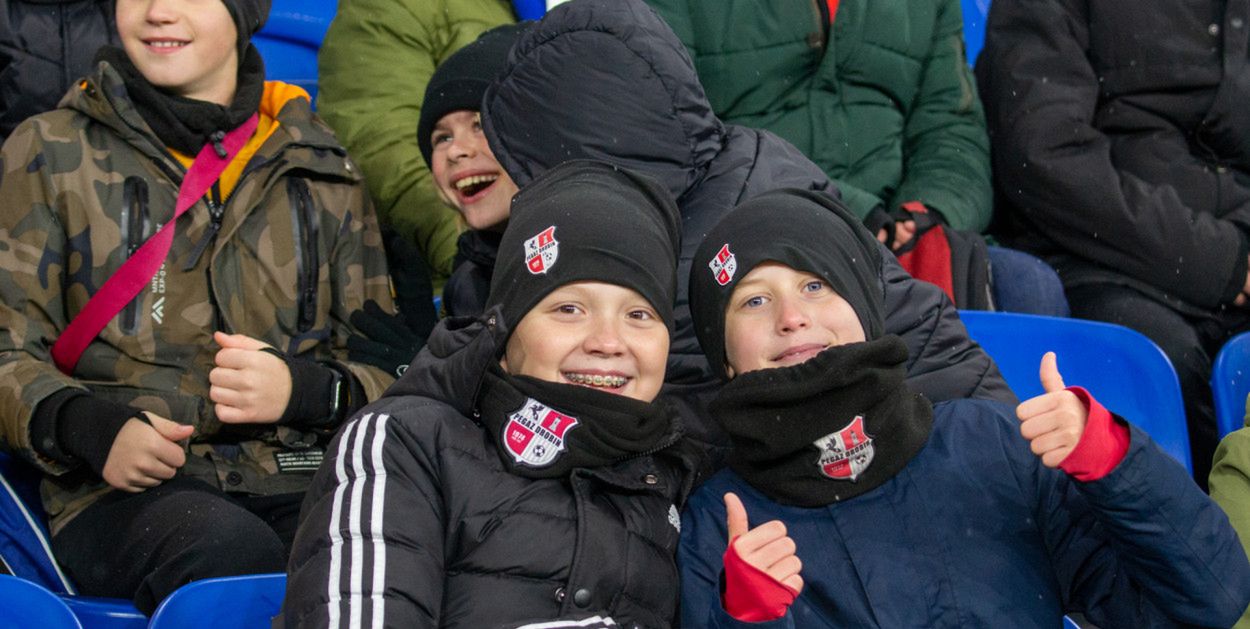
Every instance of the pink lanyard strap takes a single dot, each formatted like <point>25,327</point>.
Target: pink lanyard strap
<point>141,267</point>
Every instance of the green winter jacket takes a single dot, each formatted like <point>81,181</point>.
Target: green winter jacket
<point>377,58</point>
<point>886,106</point>
<point>297,251</point>
<point>1230,488</point>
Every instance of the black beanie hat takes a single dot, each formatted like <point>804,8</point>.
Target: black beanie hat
<point>588,221</point>
<point>806,230</point>
<point>249,16</point>
<point>461,80</point>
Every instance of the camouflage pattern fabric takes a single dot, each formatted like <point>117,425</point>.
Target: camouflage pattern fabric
<point>297,249</point>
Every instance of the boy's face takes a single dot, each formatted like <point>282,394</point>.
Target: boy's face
<point>592,334</point>
<point>778,317</point>
<point>468,177</point>
<point>186,47</point>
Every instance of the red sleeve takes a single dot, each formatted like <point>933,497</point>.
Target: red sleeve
<point>1102,446</point>
<point>750,594</point>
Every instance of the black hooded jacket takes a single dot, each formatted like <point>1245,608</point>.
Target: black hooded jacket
<point>44,46</point>
<point>414,511</point>
<point>608,80</point>
<point>1121,135</point>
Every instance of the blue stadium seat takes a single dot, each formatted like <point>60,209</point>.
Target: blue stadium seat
<point>1123,369</point>
<point>27,605</point>
<point>238,602</point>
<point>291,38</point>
<point>975,12</point>
<point>1230,383</point>
<point>530,9</point>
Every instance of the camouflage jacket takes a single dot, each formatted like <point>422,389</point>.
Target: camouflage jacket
<point>296,250</point>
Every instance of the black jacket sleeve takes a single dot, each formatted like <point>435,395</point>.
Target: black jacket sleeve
<point>370,541</point>
<point>1063,174</point>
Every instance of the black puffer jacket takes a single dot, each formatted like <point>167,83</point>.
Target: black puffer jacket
<point>468,288</point>
<point>608,80</point>
<point>1121,137</point>
<point>44,46</point>
<point>416,514</point>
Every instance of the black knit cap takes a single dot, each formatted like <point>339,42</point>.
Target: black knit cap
<point>586,220</point>
<point>249,16</point>
<point>806,230</point>
<point>461,80</point>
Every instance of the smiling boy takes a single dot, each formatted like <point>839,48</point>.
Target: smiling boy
<point>851,501</point>
<point>178,435</point>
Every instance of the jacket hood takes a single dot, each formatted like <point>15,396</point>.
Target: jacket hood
<point>605,80</point>
<point>451,365</point>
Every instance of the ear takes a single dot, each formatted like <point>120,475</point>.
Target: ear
<point>503,364</point>
<point>730,370</point>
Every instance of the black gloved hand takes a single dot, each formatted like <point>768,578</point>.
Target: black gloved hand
<point>386,341</point>
<point>410,275</point>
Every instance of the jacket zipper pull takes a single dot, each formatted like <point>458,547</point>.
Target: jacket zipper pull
<point>215,213</point>
<point>216,138</point>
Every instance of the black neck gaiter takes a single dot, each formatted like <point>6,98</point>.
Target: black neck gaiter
<point>826,430</point>
<point>546,429</point>
<point>186,124</point>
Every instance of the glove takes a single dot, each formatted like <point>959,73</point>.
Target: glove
<point>385,341</point>
<point>410,276</point>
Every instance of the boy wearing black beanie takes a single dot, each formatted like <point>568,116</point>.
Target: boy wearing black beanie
<point>893,511</point>
<point>522,469</point>
<point>201,242</point>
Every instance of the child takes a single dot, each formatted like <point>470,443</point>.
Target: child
<point>199,361</point>
<point>521,469</point>
<point>852,502</point>
<point>465,171</point>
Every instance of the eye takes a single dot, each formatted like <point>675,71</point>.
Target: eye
<point>440,137</point>
<point>641,314</point>
<point>814,286</point>
<point>754,302</point>
<point>567,309</point>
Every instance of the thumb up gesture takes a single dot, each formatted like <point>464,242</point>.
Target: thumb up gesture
<point>1054,421</point>
<point>767,547</point>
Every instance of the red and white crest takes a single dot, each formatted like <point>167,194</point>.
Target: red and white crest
<point>541,251</point>
<point>724,265</point>
<point>845,454</point>
<point>534,434</point>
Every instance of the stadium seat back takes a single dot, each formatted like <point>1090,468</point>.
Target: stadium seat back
<point>975,13</point>
<point>291,38</point>
<point>28,605</point>
<point>240,602</point>
<point>1123,369</point>
<point>1230,383</point>
<point>24,548</point>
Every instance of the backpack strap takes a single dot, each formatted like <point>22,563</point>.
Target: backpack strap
<point>138,270</point>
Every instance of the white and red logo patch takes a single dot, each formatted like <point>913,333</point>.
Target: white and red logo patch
<point>845,454</point>
<point>724,265</point>
<point>534,434</point>
<point>541,251</point>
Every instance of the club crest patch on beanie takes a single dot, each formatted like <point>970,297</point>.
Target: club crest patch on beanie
<point>805,230</point>
<point>724,265</point>
<point>588,221</point>
<point>845,453</point>
<point>535,433</point>
<point>542,251</point>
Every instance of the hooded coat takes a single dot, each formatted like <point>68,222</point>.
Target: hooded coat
<point>414,497</point>
<point>608,80</point>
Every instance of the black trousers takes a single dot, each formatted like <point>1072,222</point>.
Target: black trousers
<point>144,546</point>
<point>1190,343</point>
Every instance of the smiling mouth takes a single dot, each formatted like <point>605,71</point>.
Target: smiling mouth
<point>805,351</point>
<point>165,44</point>
<point>473,185</point>
<point>596,381</point>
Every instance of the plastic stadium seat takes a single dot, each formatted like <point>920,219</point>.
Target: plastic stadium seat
<point>1230,383</point>
<point>291,38</point>
<point>237,602</point>
<point>530,9</point>
<point>28,605</point>
<point>975,12</point>
<point>1123,369</point>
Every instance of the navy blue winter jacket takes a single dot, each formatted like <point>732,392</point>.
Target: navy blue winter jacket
<point>976,532</point>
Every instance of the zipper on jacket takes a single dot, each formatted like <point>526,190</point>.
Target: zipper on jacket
<point>306,234</point>
<point>135,225</point>
<point>216,213</point>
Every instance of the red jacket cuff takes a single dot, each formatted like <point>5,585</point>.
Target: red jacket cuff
<point>1102,446</point>
<point>750,594</point>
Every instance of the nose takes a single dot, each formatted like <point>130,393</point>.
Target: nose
<point>464,146</point>
<point>604,338</point>
<point>159,12</point>
<point>791,316</point>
